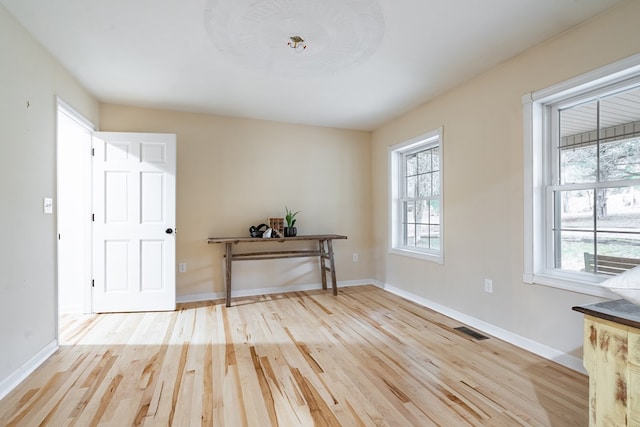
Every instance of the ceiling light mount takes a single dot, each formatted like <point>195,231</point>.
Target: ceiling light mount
<point>297,43</point>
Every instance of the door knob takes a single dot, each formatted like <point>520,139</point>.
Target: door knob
<point>169,231</point>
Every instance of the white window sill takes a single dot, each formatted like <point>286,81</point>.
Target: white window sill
<point>417,254</point>
<point>569,282</point>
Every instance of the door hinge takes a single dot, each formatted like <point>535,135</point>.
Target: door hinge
<point>93,283</point>
<point>93,152</point>
<point>93,217</point>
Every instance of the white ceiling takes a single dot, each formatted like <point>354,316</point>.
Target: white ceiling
<point>165,54</point>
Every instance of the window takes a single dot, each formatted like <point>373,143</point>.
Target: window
<point>416,226</point>
<point>582,148</point>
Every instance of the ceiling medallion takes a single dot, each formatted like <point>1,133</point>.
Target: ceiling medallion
<point>341,33</point>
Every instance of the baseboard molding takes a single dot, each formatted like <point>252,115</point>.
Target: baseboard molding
<point>25,370</point>
<point>535,347</point>
<point>271,290</point>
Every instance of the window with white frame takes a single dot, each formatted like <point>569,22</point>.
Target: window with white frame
<point>416,226</point>
<point>583,188</point>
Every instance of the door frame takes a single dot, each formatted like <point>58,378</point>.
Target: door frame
<point>64,108</point>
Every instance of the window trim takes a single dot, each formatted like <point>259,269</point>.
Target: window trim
<point>396,153</point>
<point>535,121</point>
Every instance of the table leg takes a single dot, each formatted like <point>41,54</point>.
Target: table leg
<point>323,270</point>
<point>332,266</point>
<point>228,272</point>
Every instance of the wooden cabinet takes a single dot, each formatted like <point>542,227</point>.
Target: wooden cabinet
<point>633,391</point>
<point>612,359</point>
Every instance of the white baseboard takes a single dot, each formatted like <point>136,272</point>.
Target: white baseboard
<point>25,370</point>
<point>270,290</point>
<point>535,347</point>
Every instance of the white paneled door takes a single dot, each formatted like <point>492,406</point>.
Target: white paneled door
<point>134,192</point>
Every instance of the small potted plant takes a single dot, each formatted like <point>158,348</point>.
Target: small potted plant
<point>290,230</point>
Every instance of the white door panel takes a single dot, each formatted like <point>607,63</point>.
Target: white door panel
<point>134,206</point>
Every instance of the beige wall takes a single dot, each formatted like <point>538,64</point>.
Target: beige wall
<point>483,173</point>
<point>28,74</point>
<point>234,173</point>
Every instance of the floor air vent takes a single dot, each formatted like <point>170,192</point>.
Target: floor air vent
<point>471,333</point>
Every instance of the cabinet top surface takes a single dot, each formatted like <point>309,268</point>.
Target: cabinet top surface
<point>274,239</point>
<point>619,311</point>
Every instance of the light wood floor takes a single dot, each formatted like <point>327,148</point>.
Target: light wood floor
<point>363,358</point>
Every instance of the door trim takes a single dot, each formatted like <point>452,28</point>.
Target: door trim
<point>63,107</point>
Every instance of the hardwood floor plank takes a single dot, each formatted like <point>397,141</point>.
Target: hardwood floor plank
<point>364,358</point>
<point>207,394</point>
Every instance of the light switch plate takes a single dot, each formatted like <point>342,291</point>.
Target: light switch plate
<point>47,205</point>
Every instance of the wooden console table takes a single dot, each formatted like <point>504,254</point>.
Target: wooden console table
<point>324,252</point>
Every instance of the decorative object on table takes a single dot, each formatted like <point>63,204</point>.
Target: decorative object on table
<point>277,224</point>
<point>267,234</point>
<point>626,284</point>
<point>290,230</point>
<point>257,230</point>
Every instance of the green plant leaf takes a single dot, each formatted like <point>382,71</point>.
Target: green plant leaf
<point>290,217</point>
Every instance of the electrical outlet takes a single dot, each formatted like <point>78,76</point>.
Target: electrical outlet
<point>355,257</point>
<point>182,267</point>
<point>488,286</point>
